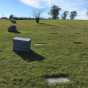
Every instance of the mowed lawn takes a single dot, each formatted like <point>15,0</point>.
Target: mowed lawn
<point>64,50</point>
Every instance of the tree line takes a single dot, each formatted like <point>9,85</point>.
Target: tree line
<point>54,12</point>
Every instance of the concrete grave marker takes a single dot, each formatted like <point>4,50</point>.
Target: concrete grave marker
<point>13,28</point>
<point>21,44</point>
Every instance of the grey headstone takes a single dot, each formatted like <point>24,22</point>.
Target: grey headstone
<point>12,28</point>
<point>21,44</point>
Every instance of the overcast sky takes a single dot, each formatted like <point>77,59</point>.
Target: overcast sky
<point>28,7</point>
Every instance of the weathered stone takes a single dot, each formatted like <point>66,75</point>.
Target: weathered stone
<point>12,28</point>
<point>21,44</point>
<point>57,80</point>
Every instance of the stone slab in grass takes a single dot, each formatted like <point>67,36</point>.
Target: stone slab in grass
<point>40,44</point>
<point>57,79</point>
<point>21,44</point>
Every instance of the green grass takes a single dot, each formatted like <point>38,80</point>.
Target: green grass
<point>65,51</point>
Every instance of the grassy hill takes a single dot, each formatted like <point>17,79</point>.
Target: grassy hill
<point>64,50</point>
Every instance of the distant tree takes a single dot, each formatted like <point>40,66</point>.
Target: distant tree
<point>37,13</point>
<point>87,12</point>
<point>64,16</point>
<point>55,11</point>
<point>12,19</point>
<point>4,18</point>
<point>11,16</point>
<point>73,14</point>
<point>37,17</point>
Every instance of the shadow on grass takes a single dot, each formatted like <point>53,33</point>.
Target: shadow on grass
<point>17,32</point>
<point>57,76</point>
<point>30,56</point>
<point>78,42</point>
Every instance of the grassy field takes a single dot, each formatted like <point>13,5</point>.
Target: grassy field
<point>64,51</point>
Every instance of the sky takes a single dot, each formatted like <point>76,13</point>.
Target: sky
<point>27,8</point>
